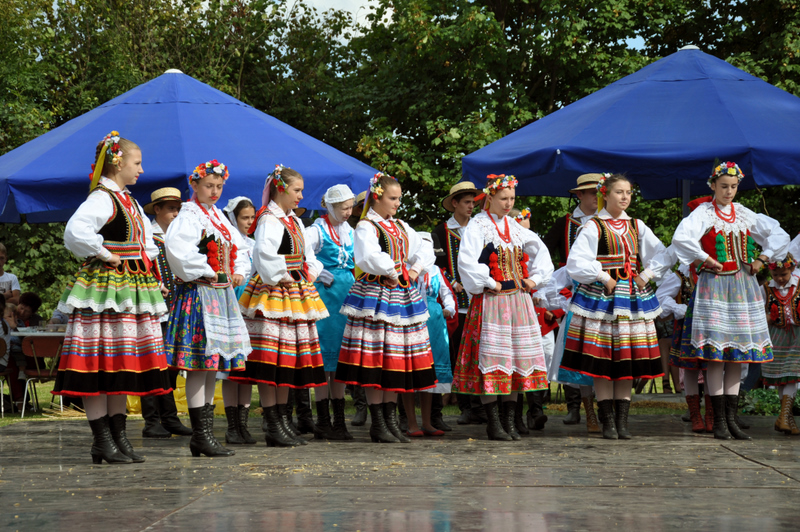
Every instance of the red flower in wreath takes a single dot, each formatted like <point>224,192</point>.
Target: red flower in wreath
<point>602,190</point>
<point>774,312</point>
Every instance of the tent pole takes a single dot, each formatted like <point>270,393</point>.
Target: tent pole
<point>685,188</point>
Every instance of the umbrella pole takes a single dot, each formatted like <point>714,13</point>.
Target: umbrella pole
<point>685,188</point>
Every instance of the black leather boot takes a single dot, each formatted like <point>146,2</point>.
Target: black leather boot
<point>478,412</point>
<point>392,422</point>
<point>152,422</point>
<point>494,428</point>
<point>116,424</point>
<point>621,409</point>
<point>276,435</point>
<point>519,423</point>
<point>323,428</point>
<point>573,397</point>
<point>287,427</point>
<point>720,419</point>
<point>219,448</point>
<point>378,431</point>
<point>731,407</point>
<point>402,418</point>
<point>200,442</point>
<point>168,413</point>
<point>305,417</point>
<point>339,431</point>
<point>360,402</point>
<point>536,417</point>
<point>232,435</point>
<point>606,408</point>
<point>244,419</point>
<point>103,446</point>
<point>507,419</point>
<point>437,421</point>
<point>466,409</point>
<point>288,413</point>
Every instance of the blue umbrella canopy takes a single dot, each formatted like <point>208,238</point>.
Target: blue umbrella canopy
<point>179,123</point>
<point>665,123</point>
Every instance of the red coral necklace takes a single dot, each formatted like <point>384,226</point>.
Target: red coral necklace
<point>730,218</point>
<point>506,235</point>
<point>332,231</point>
<point>219,226</point>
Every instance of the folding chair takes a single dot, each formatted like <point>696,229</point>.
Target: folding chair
<point>40,348</point>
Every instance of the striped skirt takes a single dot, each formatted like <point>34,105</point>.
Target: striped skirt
<point>784,368</point>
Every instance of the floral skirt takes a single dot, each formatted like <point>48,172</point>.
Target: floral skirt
<point>206,331</point>
<point>725,320</point>
<point>112,353</point>
<point>784,368</point>
<point>675,351</point>
<point>501,350</point>
<point>331,329</point>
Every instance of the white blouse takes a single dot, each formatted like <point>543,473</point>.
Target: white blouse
<point>668,290</point>
<point>480,232</point>
<point>371,259</point>
<point>582,264</point>
<point>269,265</point>
<point>550,294</point>
<point>794,247</point>
<point>766,231</point>
<point>448,302</point>
<point>81,235</point>
<point>183,238</point>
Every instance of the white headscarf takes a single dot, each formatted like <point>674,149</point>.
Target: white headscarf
<point>336,194</point>
<point>232,204</point>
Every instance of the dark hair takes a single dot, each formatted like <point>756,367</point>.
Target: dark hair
<point>242,205</point>
<point>124,144</point>
<point>611,181</point>
<point>289,176</point>
<point>29,299</point>
<point>461,195</point>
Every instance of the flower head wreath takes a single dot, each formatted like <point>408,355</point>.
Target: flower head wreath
<point>726,168</point>
<point>498,182</point>
<point>375,188</point>
<point>524,214</point>
<point>112,153</point>
<point>211,167</point>
<point>788,262</point>
<point>601,190</point>
<point>275,176</point>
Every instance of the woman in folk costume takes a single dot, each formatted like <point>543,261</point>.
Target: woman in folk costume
<point>281,308</point>
<point>331,239</point>
<point>206,332</point>
<point>725,324</point>
<point>501,353</point>
<point>612,336</point>
<point>386,348</point>
<point>237,397</point>
<point>783,315</point>
<point>113,345</point>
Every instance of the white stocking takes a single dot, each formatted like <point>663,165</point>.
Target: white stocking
<point>714,378</point>
<point>788,389</point>
<point>732,378</point>
<point>604,389</point>
<point>690,381</point>
<point>198,388</point>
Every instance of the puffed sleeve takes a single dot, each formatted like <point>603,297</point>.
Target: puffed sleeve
<point>367,252</point>
<point>183,254</point>
<point>663,262</point>
<point>81,234</point>
<point>540,265</point>
<point>550,292</point>
<point>582,264</point>
<point>314,265</point>
<point>794,247</point>
<point>666,294</point>
<point>313,237</point>
<point>768,234</point>
<point>445,294</point>
<point>242,264</point>
<point>420,254</point>
<point>266,261</point>
<point>475,276</point>
<point>649,248</point>
<point>686,239</point>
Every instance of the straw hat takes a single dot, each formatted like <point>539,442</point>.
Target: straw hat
<point>161,195</point>
<point>360,199</point>
<point>587,182</point>
<point>458,188</point>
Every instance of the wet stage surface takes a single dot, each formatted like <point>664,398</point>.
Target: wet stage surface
<point>666,478</point>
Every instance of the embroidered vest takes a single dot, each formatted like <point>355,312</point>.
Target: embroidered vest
<point>730,250</point>
<point>507,266</point>
<point>162,269</point>
<point>570,234</point>
<point>396,246</point>
<point>687,288</point>
<point>451,247</point>
<point>124,234</point>
<point>779,310</point>
<point>293,247</point>
<point>617,252</point>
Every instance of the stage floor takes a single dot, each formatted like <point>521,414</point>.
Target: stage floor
<point>666,478</point>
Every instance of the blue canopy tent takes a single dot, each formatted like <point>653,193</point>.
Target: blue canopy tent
<point>663,126</point>
<point>179,123</point>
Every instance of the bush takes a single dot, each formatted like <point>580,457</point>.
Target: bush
<point>763,402</point>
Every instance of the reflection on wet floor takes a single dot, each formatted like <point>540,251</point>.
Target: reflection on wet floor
<point>665,478</point>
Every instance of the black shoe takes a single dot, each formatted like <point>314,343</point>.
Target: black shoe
<point>392,422</point>
<point>232,435</point>
<point>200,442</point>
<point>621,409</point>
<point>339,432</point>
<point>606,408</point>
<point>244,419</point>
<point>519,423</point>
<point>116,424</point>
<point>731,408</point>
<point>360,402</point>
<point>220,449</point>
<point>437,421</point>
<point>323,429</point>
<point>573,397</point>
<point>535,416</point>
<point>152,423</point>
<point>103,446</point>
<point>168,413</point>
<point>507,419</point>
<point>402,418</point>
<point>287,427</point>
<point>378,431</point>
<point>720,419</point>
<point>305,417</point>
<point>465,406</point>
<point>276,435</point>
<point>494,428</point>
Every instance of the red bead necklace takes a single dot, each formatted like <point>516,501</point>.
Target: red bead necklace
<point>730,218</point>
<point>332,231</point>
<point>392,228</point>
<point>506,235</point>
<point>219,226</point>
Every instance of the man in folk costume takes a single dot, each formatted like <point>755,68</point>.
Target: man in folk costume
<point>460,202</point>
<point>559,240</point>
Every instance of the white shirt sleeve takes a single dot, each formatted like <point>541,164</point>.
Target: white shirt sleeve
<point>81,234</point>
<point>183,254</point>
<point>445,294</point>
<point>663,262</point>
<point>666,294</point>
<point>313,237</point>
<point>242,265</point>
<point>420,254</point>
<point>314,265</point>
<point>686,239</point>
<point>582,264</point>
<point>474,276</point>
<point>794,247</point>
<point>540,265</point>
<point>650,247</point>
<point>367,252</point>
<point>266,261</point>
<point>149,244</point>
<point>768,234</point>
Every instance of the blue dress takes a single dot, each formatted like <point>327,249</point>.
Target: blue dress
<point>437,330</point>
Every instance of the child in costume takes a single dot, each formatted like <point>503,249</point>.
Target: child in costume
<point>113,345</point>
<point>612,335</point>
<point>281,308</point>
<point>501,354</point>
<point>386,347</point>
<point>206,332</point>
